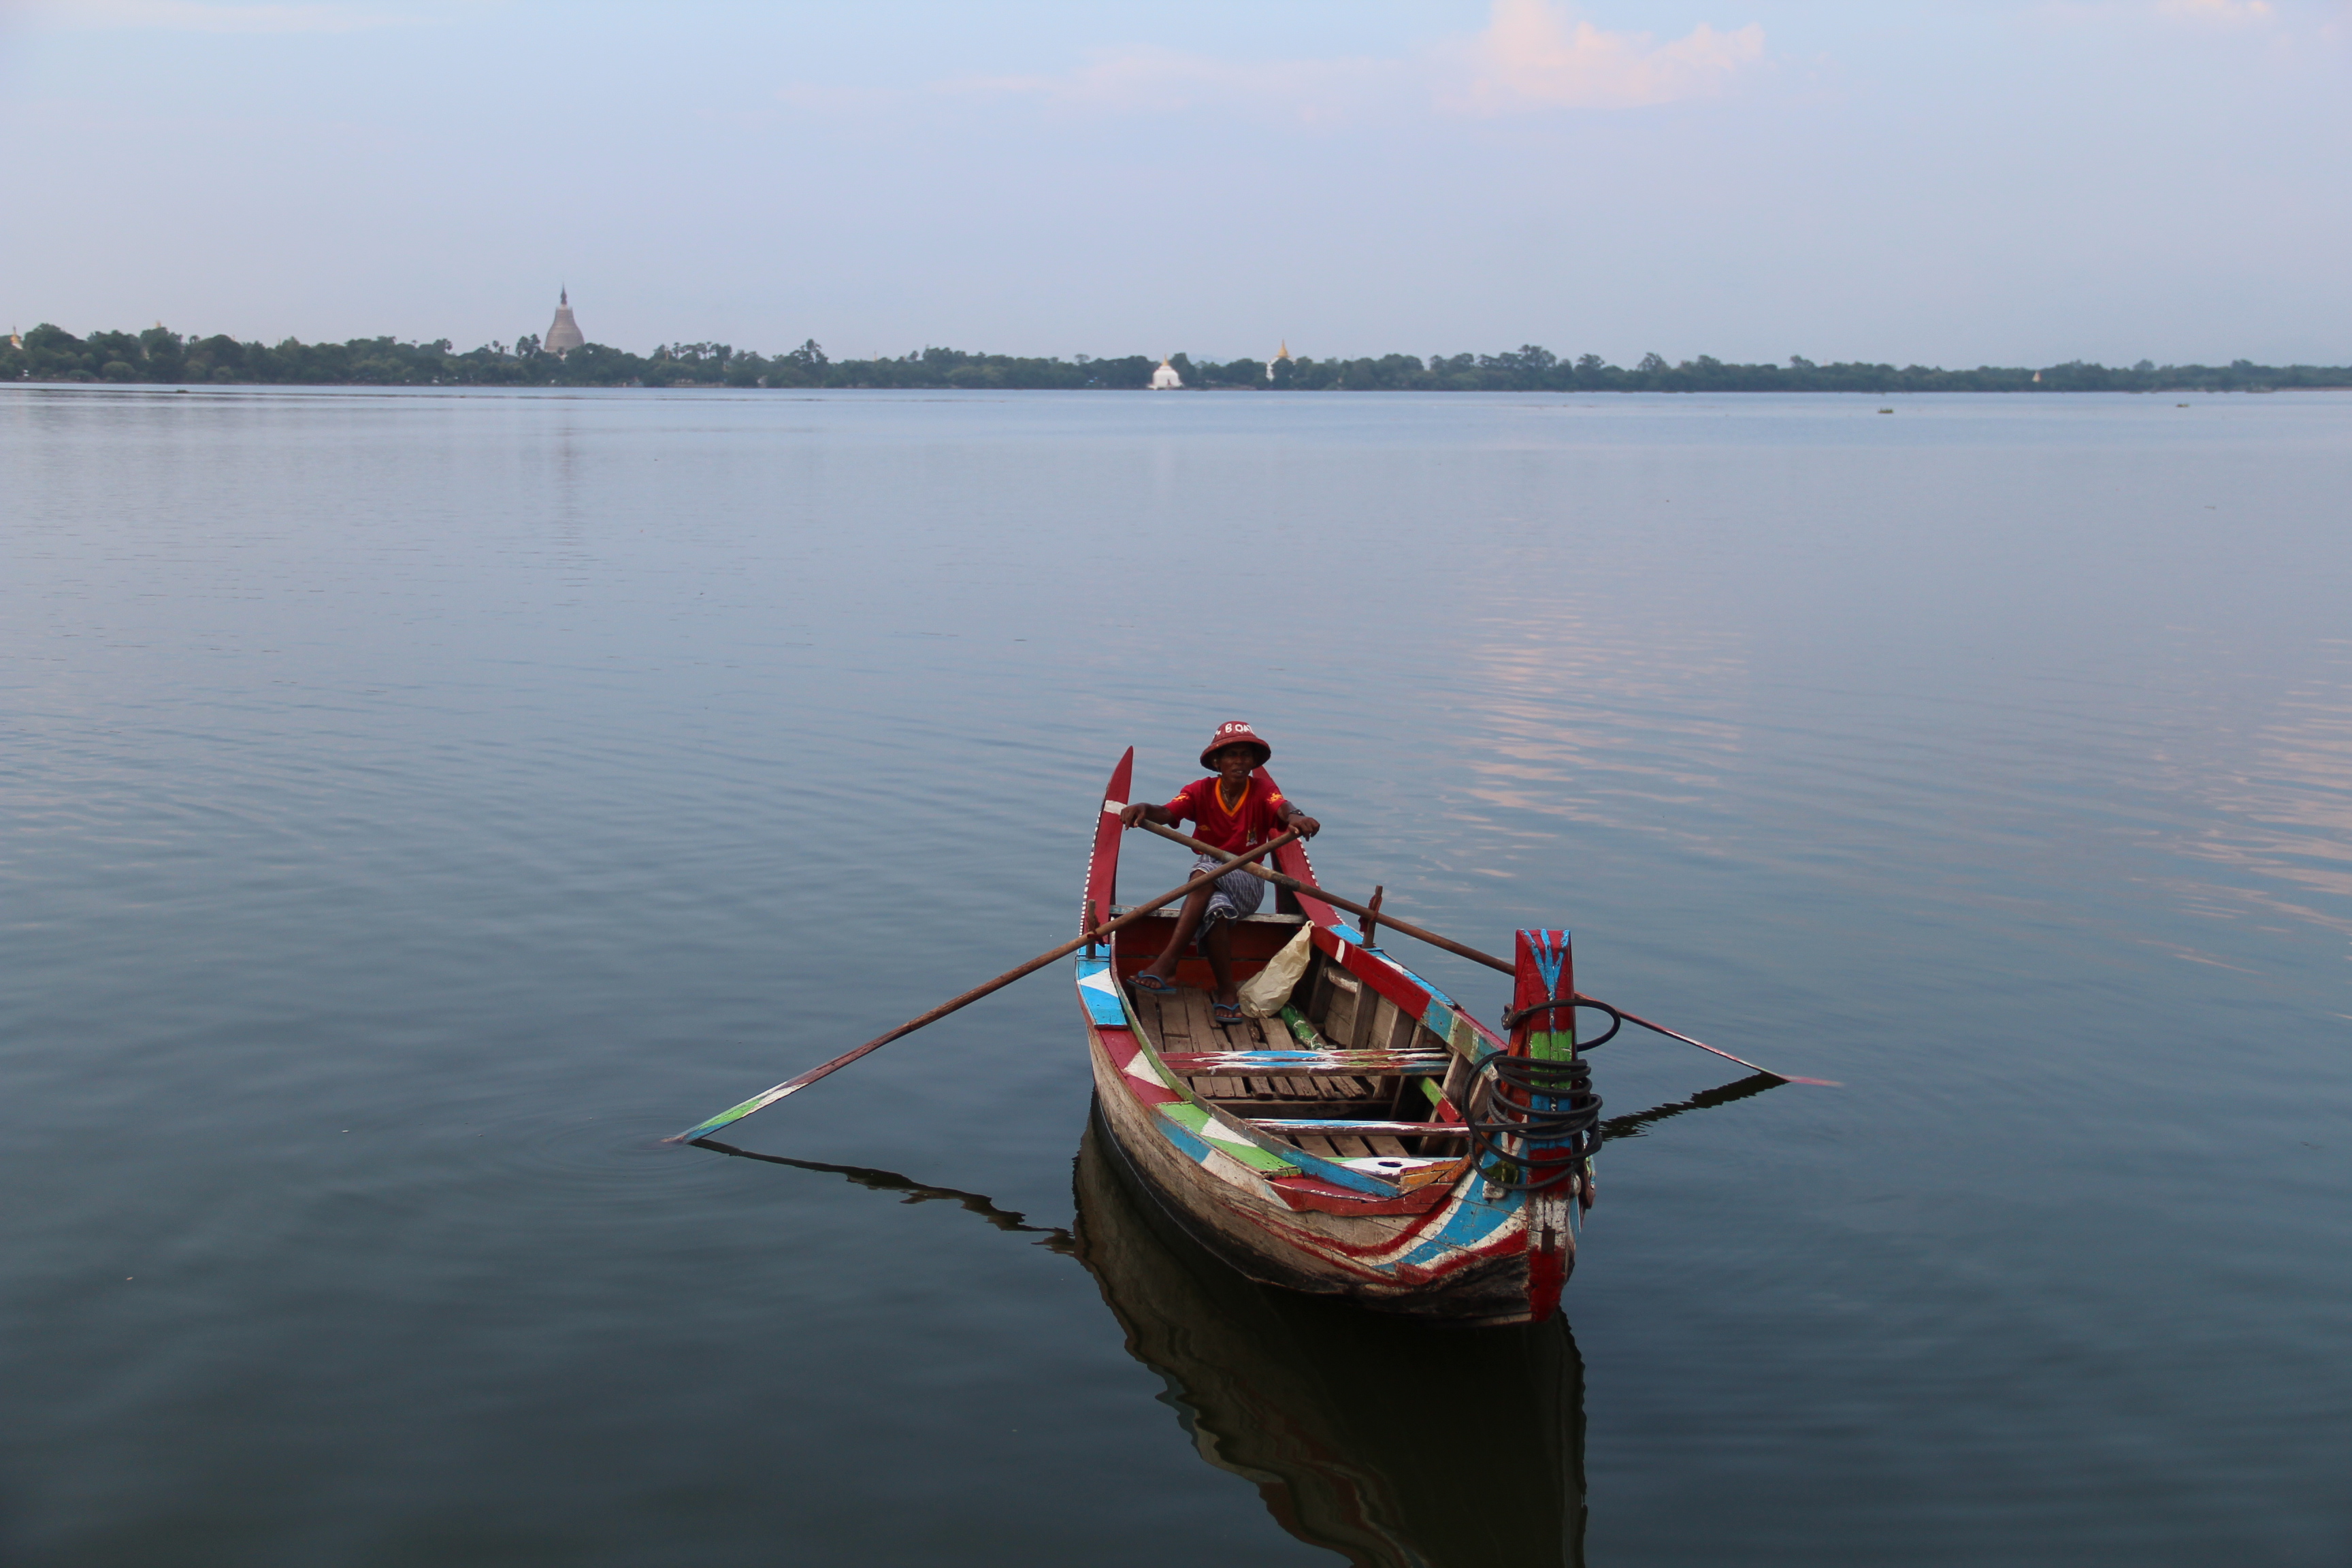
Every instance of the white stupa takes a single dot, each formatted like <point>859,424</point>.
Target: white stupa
<point>565,336</point>
<point>1282,358</point>
<point>1165,378</point>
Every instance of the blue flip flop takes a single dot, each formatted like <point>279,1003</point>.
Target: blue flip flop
<point>1151,985</point>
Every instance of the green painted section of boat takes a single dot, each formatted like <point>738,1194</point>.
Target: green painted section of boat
<point>1199,1122</point>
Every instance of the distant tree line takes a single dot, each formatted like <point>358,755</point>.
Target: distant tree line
<point>156,355</point>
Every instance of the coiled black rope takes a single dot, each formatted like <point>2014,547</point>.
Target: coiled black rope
<point>1616,1019</point>
<point>1547,1105</point>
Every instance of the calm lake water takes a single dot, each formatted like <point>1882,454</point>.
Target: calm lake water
<point>414,804</point>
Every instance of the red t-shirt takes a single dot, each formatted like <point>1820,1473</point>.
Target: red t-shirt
<point>1257,818</point>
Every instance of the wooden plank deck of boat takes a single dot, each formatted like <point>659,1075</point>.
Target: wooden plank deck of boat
<point>1182,1025</point>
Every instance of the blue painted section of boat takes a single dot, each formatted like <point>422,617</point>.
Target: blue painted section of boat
<point>1194,1149</point>
<point>1105,1005</point>
<point>1463,1229</point>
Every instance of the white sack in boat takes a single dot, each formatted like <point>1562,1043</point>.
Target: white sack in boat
<point>1266,993</point>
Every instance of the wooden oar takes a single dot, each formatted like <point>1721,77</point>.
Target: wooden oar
<point>1459,950</point>
<point>795,1085</point>
<point>1312,891</point>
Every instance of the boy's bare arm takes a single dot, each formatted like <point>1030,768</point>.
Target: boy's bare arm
<point>1140,811</point>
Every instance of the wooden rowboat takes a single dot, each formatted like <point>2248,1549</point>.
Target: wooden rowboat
<point>1412,1159</point>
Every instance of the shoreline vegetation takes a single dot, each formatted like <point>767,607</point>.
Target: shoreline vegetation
<point>158,356</point>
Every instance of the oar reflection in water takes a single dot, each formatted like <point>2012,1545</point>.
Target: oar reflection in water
<point>1057,1238</point>
<point>1618,1127</point>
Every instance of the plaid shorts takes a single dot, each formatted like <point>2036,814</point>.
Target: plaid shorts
<point>1231,896</point>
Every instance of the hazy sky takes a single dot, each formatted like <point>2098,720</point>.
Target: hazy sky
<point>2002,181</point>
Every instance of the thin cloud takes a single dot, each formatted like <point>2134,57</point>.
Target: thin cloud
<point>194,17</point>
<point>1154,79</point>
<point>1532,55</point>
<point>2128,13</point>
<point>2233,11</point>
<point>828,98</point>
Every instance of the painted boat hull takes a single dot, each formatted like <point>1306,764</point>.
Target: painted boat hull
<point>1458,1250</point>
<point>1478,1281</point>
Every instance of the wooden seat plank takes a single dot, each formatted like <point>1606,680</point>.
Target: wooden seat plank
<point>1350,1124</point>
<point>1293,1063</point>
<point>1169,914</point>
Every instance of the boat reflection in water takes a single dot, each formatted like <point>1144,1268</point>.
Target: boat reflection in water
<point>1395,1443</point>
<point>1355,1427</point>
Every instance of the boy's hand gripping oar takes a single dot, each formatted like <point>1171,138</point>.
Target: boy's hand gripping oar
<point>1472,953</point>
<point>795,1085</point>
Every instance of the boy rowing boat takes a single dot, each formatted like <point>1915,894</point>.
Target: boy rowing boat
<point>1236,810</point>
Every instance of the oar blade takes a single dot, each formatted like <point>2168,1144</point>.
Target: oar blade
<point>789,1086</point>
<point>735,1113</point>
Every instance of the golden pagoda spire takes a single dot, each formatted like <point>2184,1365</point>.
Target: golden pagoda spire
<point>565,334</point>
